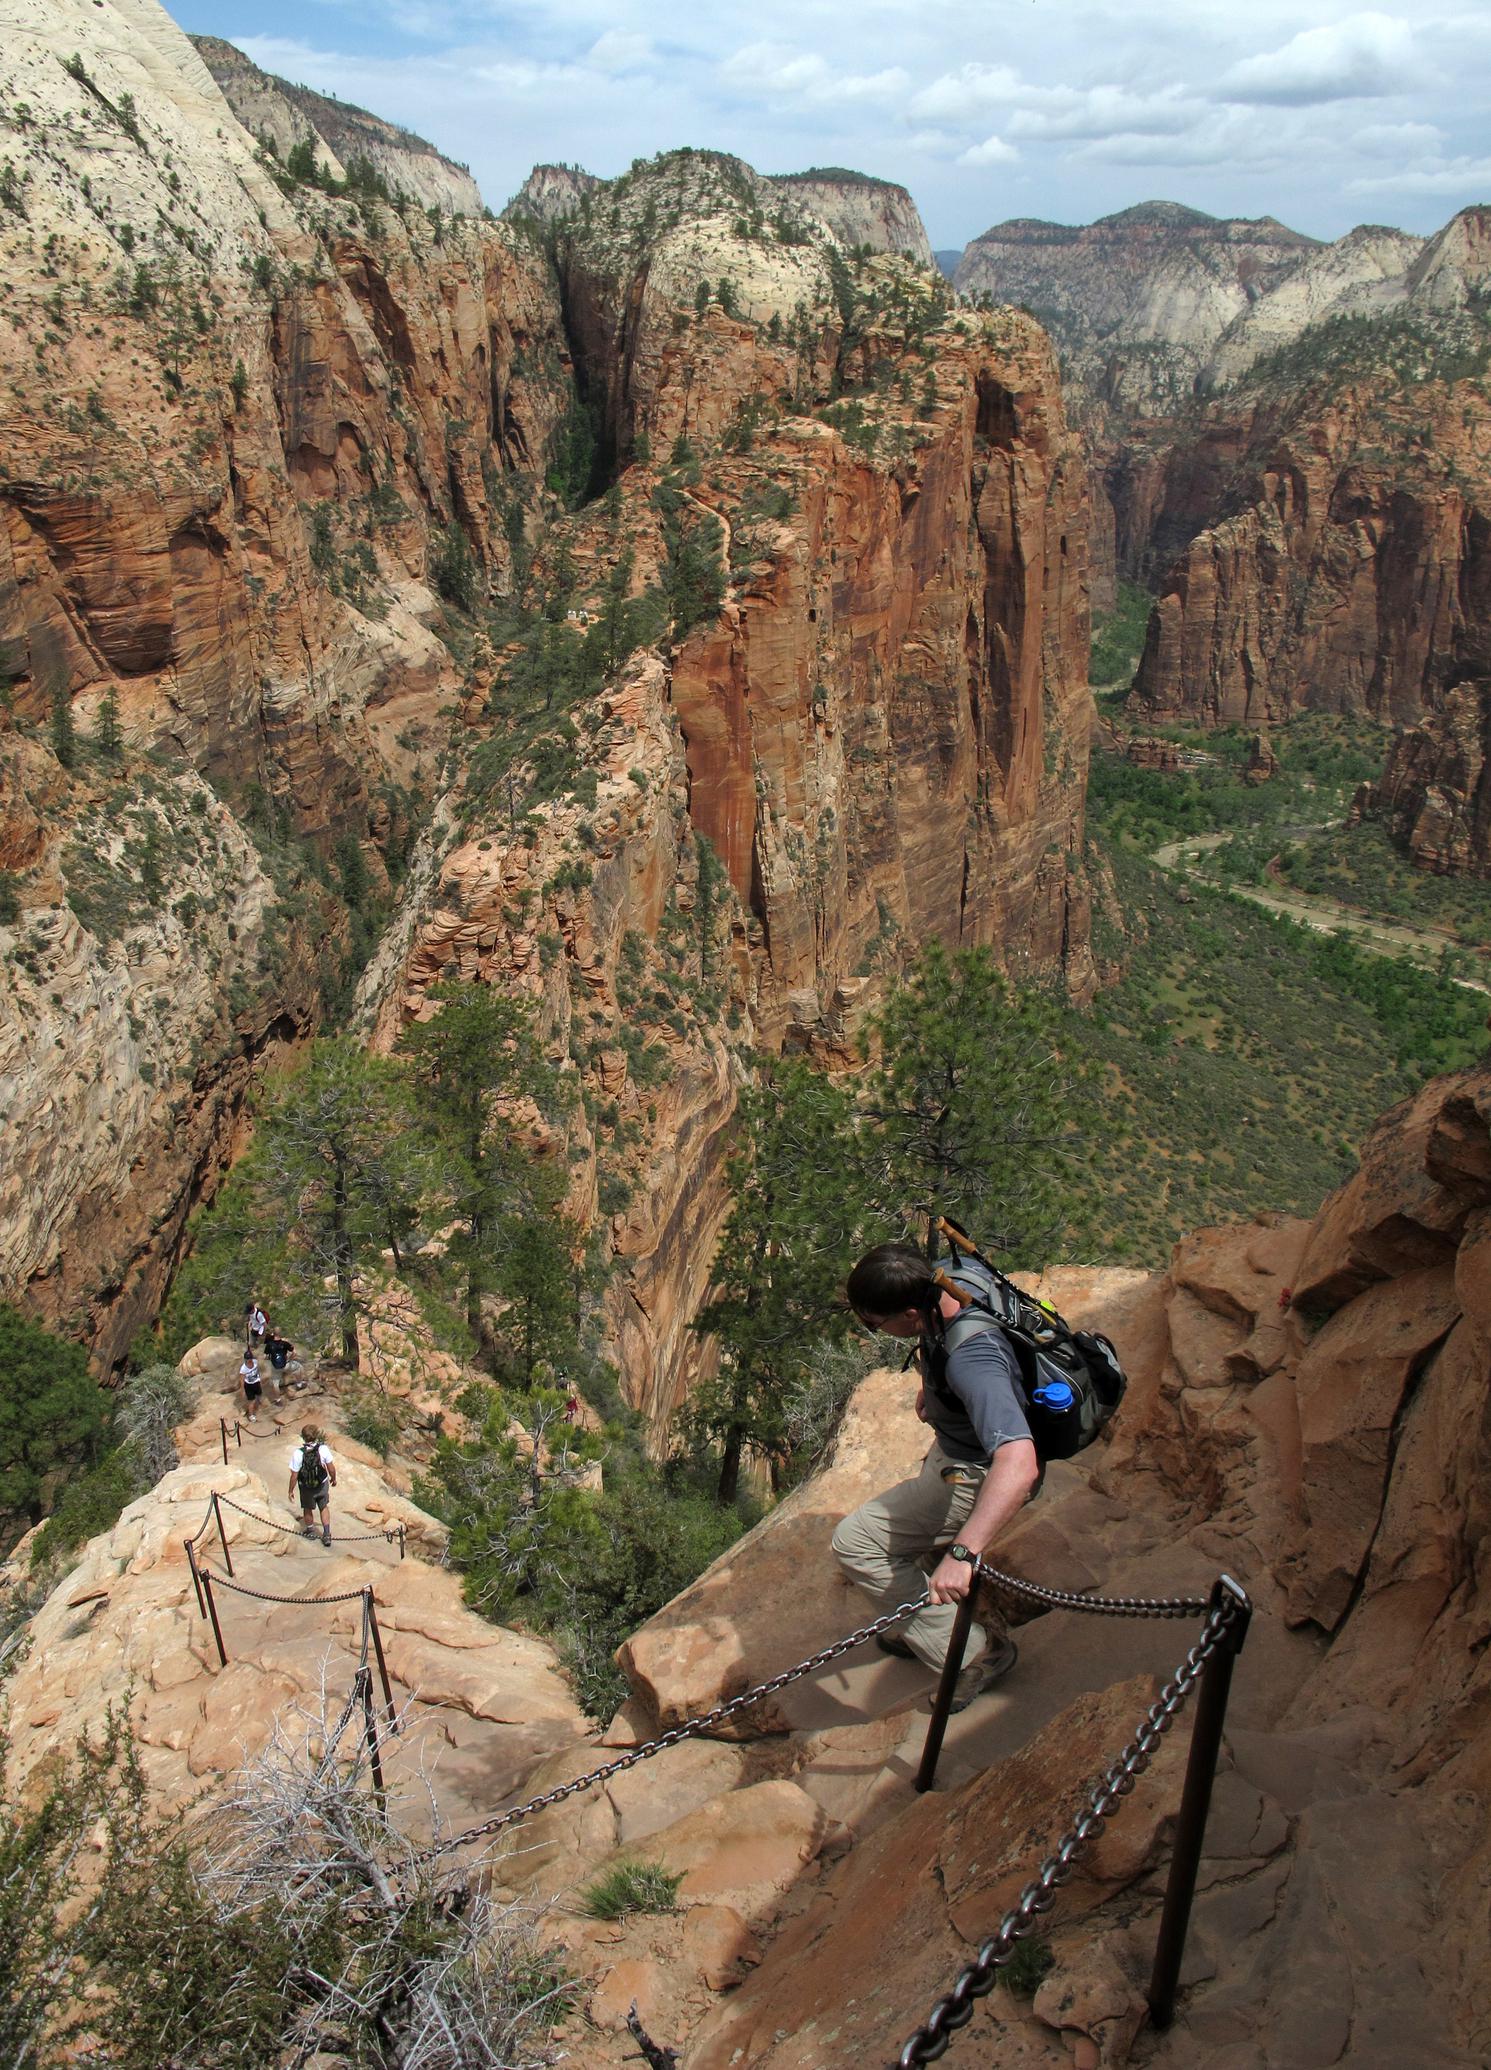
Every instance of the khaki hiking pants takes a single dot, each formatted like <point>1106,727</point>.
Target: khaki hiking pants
<point>885,1544</point>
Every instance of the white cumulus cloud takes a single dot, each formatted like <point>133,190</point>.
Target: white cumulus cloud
<point>774,68</point>
<point>964,95</point>
<point>1361,58</point>
<point>992,151</point>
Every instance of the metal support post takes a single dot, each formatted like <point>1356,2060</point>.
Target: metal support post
<point>191,1561</point>
<point>217,1630</point>
<point>942,1705</point>
<point>221,1532</point>
<point>1195,1802</point>
<point>372,1616</point>
<point>370,1728</point>
<point>401,1541</point>
<point>222,1424</point>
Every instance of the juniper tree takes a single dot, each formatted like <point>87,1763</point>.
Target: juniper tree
<point>968,1111</point>
<point>788,1243</point>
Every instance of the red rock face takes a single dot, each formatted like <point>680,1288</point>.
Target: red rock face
<point>1349,572</point>
<point>887,731</point>
<point>1434,796</point>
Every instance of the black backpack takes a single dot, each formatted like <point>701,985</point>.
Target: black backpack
<point>311,1475</point>
<point>1071,1380</point>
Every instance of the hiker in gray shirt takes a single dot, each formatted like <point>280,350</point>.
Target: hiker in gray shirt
<point>981,1470</point>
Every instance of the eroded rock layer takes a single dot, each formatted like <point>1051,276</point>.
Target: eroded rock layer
<point>1434,796</point>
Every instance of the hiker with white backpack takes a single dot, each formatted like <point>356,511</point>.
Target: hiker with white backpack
<point>313,1475</point>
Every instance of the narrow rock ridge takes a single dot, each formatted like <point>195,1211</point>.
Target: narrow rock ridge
<point>272,109</point>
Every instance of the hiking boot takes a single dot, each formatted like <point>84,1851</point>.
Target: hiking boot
<point>979,1679</point>
<point>307,1530</point>
<point>326,1534</point>
<point>889,1643</point>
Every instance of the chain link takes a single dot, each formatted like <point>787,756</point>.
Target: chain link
<point>691,1728</point>
<point>952,2012</point>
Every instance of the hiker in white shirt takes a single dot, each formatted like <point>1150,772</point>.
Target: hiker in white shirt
<point>251,1380</point>
<point>313,1475</point>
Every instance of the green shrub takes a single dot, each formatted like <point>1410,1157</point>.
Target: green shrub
<point>370,1422</point>
<point>1030,1963</point>
<point>630,1887</point>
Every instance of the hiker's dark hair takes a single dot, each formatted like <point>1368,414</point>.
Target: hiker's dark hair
<point>889,1280</point>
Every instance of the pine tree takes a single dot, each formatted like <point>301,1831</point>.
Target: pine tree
<point>64,739</point>
<point>790,1239</point>
<point>108,736</point>
<point>336,1173</point>
<point>479,1053</point>
<point>969,1110</point>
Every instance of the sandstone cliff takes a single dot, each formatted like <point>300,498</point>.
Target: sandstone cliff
<point>275,111</point>
<point>878,734</point>
<point>241,413</point>
<point>861,210</point>
<point>1140,300</point>
<point>1331,534</point>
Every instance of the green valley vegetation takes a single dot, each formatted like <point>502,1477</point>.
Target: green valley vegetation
<point>1118,638</point>
<point>293,1913</point>
<point>1241,1057</point>
<point>1359,866</point>
<point>53,1417</point>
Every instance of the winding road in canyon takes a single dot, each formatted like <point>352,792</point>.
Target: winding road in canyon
<point>1323,915</point>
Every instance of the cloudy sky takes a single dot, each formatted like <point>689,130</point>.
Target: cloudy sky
<point>1323,115</point>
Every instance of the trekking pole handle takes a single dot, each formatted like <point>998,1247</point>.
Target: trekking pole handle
<point>944,1285</point>
<point>954,1235</point>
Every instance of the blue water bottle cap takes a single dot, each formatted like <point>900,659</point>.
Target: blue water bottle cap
<point>1055,1394</point>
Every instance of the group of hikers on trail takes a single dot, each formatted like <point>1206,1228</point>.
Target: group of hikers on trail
<point>259,1339</point>
<point>313,1472</point>
<point>1004,1386</point>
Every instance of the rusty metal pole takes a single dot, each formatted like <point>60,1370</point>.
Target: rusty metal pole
<point>217,1630</point>
<point>370,1727</point>
<point>191,1561</point>
<point>221,1532</point>
<point>372,1617</point>
<point>222,1424</point>
<point>942,1704</point>
<point>1195,1802</point>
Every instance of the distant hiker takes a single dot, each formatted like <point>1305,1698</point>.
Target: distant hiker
<point>981,1470</point>
<point>251,1380</point>
<point>313,1475</point>
<point>278,1350</point>
<point>255,1326</point>
<point>572,1407</point>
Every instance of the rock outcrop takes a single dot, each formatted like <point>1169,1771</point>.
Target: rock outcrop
<point>860,210</point>
<point>1434,796</point>
<point>1140,300</point>
<point>341,134</point>
<point>480,1705</point>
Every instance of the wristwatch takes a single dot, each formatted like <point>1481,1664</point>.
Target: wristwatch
<point>961,1552</point>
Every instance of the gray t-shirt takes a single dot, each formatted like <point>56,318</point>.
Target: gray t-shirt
<point>979,1406</point>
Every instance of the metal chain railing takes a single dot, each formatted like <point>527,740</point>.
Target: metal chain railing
<point>298,1530</point>
<point>691,1728</point>
<point>1101,1606</point>
<point>955,2010</point>
<point>262,1596</point>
